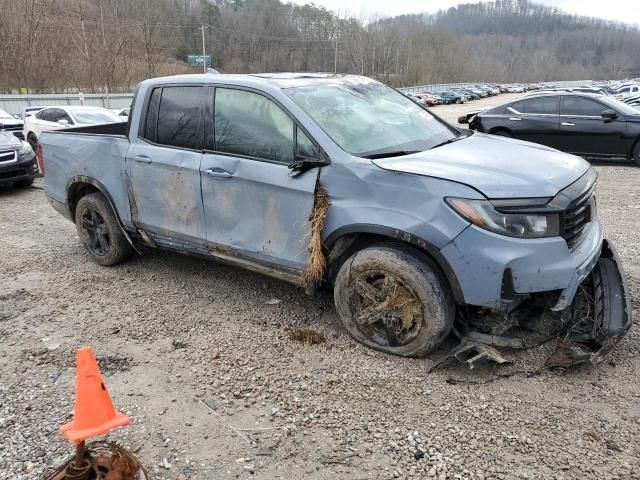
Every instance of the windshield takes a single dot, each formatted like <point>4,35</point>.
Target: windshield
<point>619,106</point>
<point>94,116</point>
<point>4,114</point>
<point>368,118</point>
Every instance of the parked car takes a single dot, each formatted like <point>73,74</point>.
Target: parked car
<point>124,113</point>
<point>450,96</point>
<point>413,219</point>
<point>31,110</point>
<point>515,89</point>
<point>59,117</point>
<point>595,126</point>
<point>424,99</point>
<point>503,88</point>
<point>627,91</point>
<point>17,161</point>
<point>8,123</point>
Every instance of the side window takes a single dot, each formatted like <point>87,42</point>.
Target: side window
<point>252,125</point>
<point>542,105</point>
<point>151,120</point>
<point>580,106</point>
<point>517,106</point>
<point>45,115</point>
<point>180,117</point>
<point>56,115</point>
<point>305,146</point>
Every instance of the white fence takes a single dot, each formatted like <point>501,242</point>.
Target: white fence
<point>15,103</point>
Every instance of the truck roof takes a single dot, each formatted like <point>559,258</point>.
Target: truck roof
<point>277,80</point>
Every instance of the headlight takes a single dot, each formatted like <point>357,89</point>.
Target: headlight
<point>25,150</point>
<point>483,214</point>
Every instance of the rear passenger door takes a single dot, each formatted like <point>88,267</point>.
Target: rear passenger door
<point>164,166</point>
<point>253,207</point>
<point>584,131</point>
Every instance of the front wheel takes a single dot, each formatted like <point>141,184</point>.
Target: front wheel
<point>502,133</point>
<point>394,300</point>
<point>33,141</point>
<point>100,232</point>
<point>636,153</point>
<point>458,101</point>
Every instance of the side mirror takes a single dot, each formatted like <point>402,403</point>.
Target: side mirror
<point>609,115</point>
<point>302,163</point>
<point>63,122</point>
<point>463,120</point>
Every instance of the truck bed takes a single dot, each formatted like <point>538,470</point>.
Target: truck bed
<point>97,152</point>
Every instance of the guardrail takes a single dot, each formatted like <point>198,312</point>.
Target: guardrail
<point>439,87</point>
<point>15,103</point>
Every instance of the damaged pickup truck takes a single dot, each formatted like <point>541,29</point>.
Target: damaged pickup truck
<point>338,181</point>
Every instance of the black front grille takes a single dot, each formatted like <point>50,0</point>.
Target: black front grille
<point>8,156</point>
<point>576,219</point>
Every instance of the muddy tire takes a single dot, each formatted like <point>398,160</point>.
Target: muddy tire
<point>394,300</point>
<point>99,231</point>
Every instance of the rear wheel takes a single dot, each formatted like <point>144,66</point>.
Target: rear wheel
<point>393,300</point>
<point>100,232</point>
<point>458,101</point>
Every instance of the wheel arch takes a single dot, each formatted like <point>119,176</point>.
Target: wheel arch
<point>346,240</point>
<point>80,186</point>
<point>634,145</point>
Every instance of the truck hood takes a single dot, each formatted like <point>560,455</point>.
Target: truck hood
<point>498,167</point>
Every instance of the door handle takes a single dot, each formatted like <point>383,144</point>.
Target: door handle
<point>217,173</point>
<point>142,159</point>
<point>568,124</point>
<point>515,119</point>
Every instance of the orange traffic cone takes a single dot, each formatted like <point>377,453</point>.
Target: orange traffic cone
<point>94,413</point>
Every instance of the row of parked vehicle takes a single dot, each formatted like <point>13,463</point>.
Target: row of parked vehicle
<point>466,93</point>
<point>20,134</point>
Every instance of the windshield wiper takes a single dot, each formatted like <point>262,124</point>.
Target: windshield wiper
<point>451,140</point>
<point>395,153</point>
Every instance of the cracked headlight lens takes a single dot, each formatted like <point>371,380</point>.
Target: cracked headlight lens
<point>483,214</point>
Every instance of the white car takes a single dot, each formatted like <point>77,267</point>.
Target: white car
<point>124,113</point>
<point>515,89</point>
<point>55,118</point>
<point>628,91</point>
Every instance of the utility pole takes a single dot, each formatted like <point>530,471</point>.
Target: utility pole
<point>204,57</point>
<point>335,58</point>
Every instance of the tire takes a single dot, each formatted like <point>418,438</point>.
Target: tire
<point>394,300</point>
<point>636,153</point>
<point>458,101</point>
<point>99,231</point>
<point>502,133</point>
<point>24,183</point>
<point>32,140</point>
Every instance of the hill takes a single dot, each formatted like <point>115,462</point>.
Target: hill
<point>54,45</point>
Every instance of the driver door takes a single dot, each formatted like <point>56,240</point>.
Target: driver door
<point>252,206</point>
<point>583,131</point>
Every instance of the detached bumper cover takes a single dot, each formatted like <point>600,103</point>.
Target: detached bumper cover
<point>613,312</point>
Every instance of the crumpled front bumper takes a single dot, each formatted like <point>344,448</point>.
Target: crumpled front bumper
<point>611,318</point>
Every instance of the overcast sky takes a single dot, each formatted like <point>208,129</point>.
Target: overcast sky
<point>621,10</point>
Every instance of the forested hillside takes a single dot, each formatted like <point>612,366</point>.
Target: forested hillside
<point>53,45</point>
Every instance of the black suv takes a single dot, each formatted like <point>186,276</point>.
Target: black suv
<point>593,126</point>
<point>17,161</point>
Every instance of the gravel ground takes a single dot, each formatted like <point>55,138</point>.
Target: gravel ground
<point>200,356</point>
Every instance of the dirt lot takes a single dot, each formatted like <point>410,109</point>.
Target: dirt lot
<point>200,356</point>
